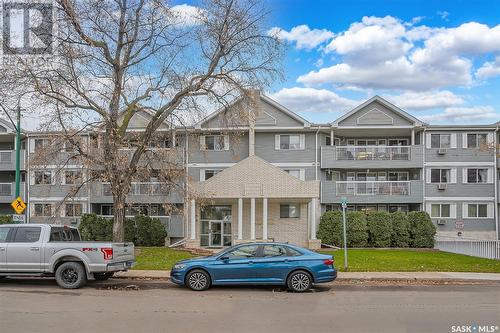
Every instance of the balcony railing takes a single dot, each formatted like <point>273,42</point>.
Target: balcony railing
<point>6,156</point>
<point>144,188</point>
<point>373,187</point>
<point>5,189</point>
<point>374,153</point>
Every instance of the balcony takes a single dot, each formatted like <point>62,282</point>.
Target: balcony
<point>8,160</point>
<point>140,192</point>
<point>371,156</point>
<point>7,191</point>
<point>372,191</point>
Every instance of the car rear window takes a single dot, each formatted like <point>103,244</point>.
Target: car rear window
<point>4,232</point>
<point>61,234</point>
<point>293,252</point>
<point>27,234</point>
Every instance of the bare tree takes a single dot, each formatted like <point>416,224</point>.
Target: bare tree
<point>113,59</point>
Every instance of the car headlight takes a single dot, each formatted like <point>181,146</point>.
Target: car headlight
<point>179,266</point>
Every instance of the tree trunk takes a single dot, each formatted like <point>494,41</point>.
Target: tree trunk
<point>119,218</point>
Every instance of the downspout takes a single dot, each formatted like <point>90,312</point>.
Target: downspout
<point>27,177</point>
<point>495,179</point>
<point>316,166</point>
<point>424,181</point>
<point>186,184</point>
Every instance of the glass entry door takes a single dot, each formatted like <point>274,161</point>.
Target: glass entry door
<point>215,226</point>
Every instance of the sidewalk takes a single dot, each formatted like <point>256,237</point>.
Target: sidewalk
<point>359,276</point>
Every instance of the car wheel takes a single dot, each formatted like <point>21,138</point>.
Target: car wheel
<point>299,281</point>
<point>71,275</point>
<point>102,276</point>
<point>198,280</point>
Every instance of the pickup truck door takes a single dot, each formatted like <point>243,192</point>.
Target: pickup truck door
<point>4,233</point>
<point>24,250</point>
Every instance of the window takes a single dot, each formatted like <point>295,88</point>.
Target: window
<point>440,175</point>
<point>27,234</point>
<point>398,208</point>
<point>440,210</point>
<point>290,142</point>
<point>476,140</point>
<point>440,140</point>
<point>107,210</point>
<point>295,172</point>
<point>161,142</point>
<point>209,173</point>
<point>4,232</point>
<point>61,234</point>
<point>274,251</point>
<point>43,209</point>
<point>73,177</point>
<point>328,141</point>
<point>398,176</point>
<point>246,251</point>
<point>477,175</point>
<point>215,142</point>
<point>41,144</point>
<point>43,177</point>
<point>477,210</point>
<point>290,211</point>
<point>73,209</point>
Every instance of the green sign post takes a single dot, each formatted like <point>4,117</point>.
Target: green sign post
<point>343,203</point>
<point>18,152</point>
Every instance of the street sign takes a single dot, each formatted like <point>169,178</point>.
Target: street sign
<point>459,224</point>
<point>343,202</point>
<point>18,205</point>
<point>18,218</point>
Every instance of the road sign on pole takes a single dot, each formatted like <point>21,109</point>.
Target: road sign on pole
<point>18,205</point>
<point>18,218</point>
<point>343,202</point>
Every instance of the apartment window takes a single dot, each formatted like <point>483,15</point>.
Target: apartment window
<point>73,177</point>
<point>289,211</point>
<point>440,140</point>
<point>73,209</point>
<point>476,140</point>
<point>477,175</point>
<point>40,144</point>
<point>440,210</point>
<point>398,208</point>
<point>209,173</point>
<point>440,175</point>
<point>43,209</point>
<point>161,142</point>
<point>398,176</point>
<point>328,140</point>
<point>43,177</point>
<point>290,142</point>
<point>477,210</point>
<point>215,142</point>
<point>295,172</point>
<point>107,210</point>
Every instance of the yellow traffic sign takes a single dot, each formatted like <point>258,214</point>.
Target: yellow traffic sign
<point>18,205</point>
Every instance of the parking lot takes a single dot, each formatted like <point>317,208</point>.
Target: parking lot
<point>122,305</point>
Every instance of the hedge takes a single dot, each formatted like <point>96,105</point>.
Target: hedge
<point>379,229</point>
<point>400,235</point>
<point>422,230</point>
<point>6,219</point>
<point>141,230</point>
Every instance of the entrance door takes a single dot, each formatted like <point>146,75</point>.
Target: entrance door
<point>215,226</point>
<point>215,239</point>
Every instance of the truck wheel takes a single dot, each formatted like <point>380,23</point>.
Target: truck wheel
<point>71,275</point>
<point>102,276</point>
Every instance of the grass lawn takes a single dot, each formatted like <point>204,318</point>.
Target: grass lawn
<point>407,260</point>
<point>360,260</point>
<point>158,258</point>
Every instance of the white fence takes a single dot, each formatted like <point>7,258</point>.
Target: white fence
<point>473,247</point>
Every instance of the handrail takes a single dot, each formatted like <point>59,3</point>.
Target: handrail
<point>377,153</point>
<point>373,187</point>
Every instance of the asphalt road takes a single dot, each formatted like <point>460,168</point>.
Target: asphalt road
<point>159,306</point>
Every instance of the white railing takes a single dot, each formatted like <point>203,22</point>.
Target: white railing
<point>5,189</point>
<point>5,156</point>
<point>373,153</point>
<point>373,187</point>
<point>489,249</point>
<point>139,188</point>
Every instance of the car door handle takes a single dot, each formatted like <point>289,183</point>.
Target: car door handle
<point>34,249</point>
<point>2,249</point>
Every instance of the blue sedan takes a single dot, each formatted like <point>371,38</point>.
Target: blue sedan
<point>256,263</point>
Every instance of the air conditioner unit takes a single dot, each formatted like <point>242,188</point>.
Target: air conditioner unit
<point>441,222</point>
<point>442,151</point>
<point>441,187</point>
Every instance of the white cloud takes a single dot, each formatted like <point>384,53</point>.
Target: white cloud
<point>187,15</point>
<point>386,53</point>
<point>303,36</point>
<point>313,100</point>
<point>443,14</point>
<point>463,114</point>
<point>425,100</point>
<point>489,69</point>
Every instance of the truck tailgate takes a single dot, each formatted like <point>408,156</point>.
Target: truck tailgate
<point>123,252</point>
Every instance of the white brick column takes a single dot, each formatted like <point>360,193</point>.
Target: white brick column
<point>240,218</point>
<point>313,218</point>
<point>264,218</point>
<point>252,218</point>
<point>193,219</point>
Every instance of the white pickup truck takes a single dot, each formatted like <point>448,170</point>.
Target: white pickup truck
<point>55,250</point>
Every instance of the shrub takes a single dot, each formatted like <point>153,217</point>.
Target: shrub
<point>379,229</point>
<point>357,235</point>
<point>141,230</point>
<point>6,219</point>
<point>400,236</point>
<point>422,230</point>
<point>330,228</point>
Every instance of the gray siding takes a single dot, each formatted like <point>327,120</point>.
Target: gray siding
<point>57,191</point>
<point>470,224</point>
<point>352,120</point>
<point>264,148</point>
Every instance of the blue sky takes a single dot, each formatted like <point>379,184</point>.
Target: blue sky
<point>438,60</point>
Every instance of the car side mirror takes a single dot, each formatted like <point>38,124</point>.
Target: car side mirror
<point>224,258</point>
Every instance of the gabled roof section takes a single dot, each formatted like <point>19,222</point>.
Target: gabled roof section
<point>264,117</point>
<point>6,126</point>
<point>254,177</point>
<point>382,117</point>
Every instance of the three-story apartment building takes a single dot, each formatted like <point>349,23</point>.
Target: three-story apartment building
<point>269,174</point>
